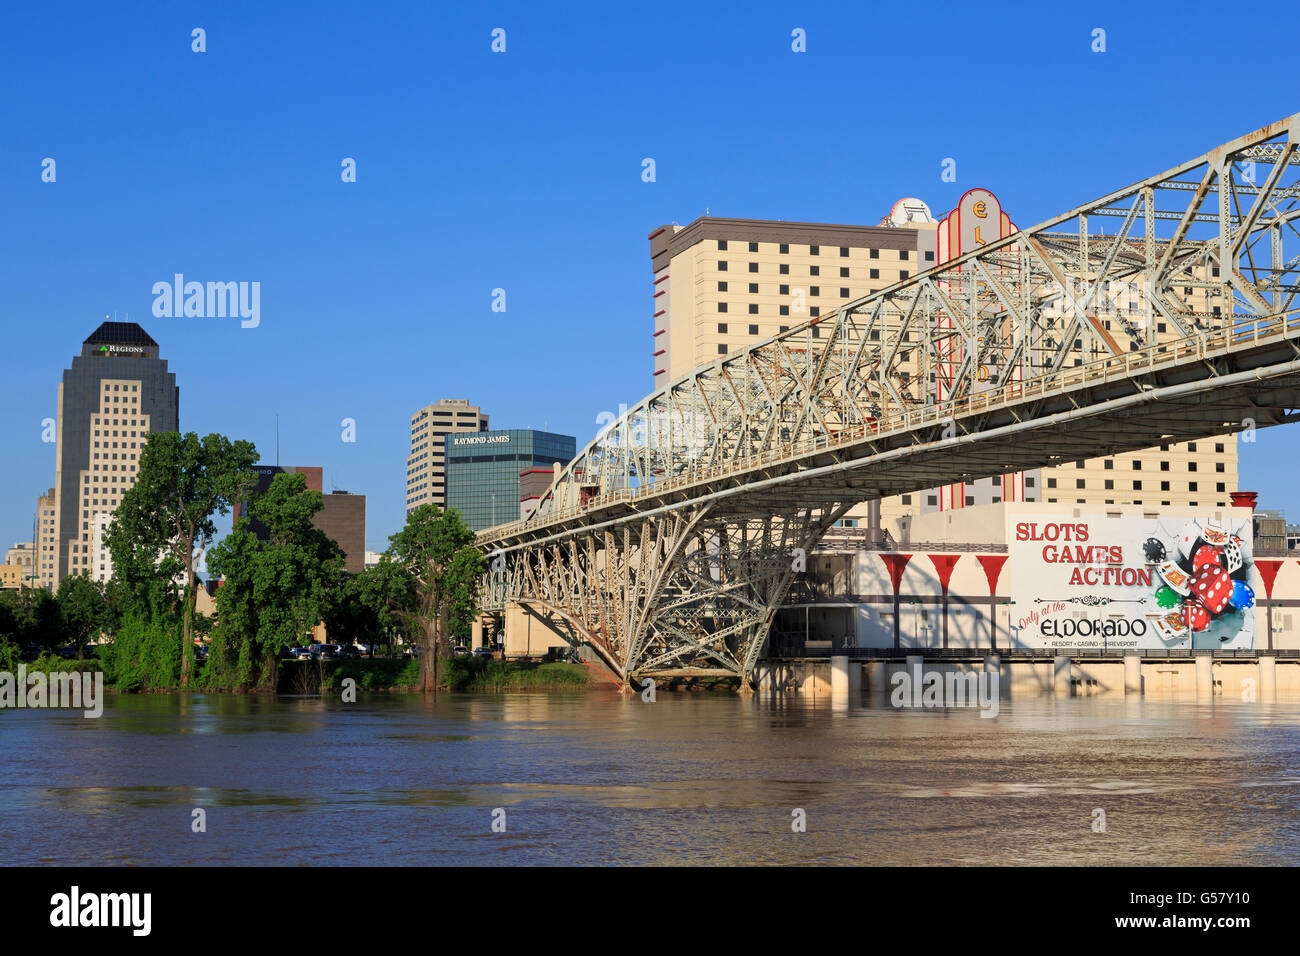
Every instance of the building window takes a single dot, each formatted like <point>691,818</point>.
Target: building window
<point>783,289</point>
<point>844,252</point>
<point>815,290</point>
<point>902,274</point>
<point>753,308</point>
<point>1164,466</point>
<point>1110,484</point>
<point>1191,466</point>
<point>844,293</point>
<point>722,287</point>
<point>1218,466</point>
<point>1137,486</point>
<point>875,273</point>
<point>753,267</point>
<point>970,500</point>
<point>753,247</point>
<point>929,255</point>
<point>903,254</point>
<point>1137,464</point>
<point>1219,486</point>
<point>722,328</point>
<point>814,270</point>
<point>874,253</point>
<point>1191,486</point>
<point>722,265</point>
<point>785,248</point>
<point>931,501</point>
<point>1191,446</point>
<point>785,328</point>
<point>722,307</point>
<point>722,349</point>
<point>1218,447</point>
<point>1109,464</point>
<point>753,330</point>
<point>1164,486</point>
<point>1029,482</point>
<point>784,310</point>
<point>784,268</point>
<point>844,272</point>
<point>1051,482</point>
<point>1080,483</point>
<point>814,250</point>
<point>753,287</point>
<point>907,499</point>
<point>722,245</point>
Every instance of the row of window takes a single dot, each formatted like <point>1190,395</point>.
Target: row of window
<point>784,249</point>
<point>1109,485</point>
<point>784,269</point>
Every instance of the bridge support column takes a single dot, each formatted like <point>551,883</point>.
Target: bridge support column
<point>1061,667</point>
<point>1204,676</point>
<point>993,667</point>
<point>746,689</point>
<point>1268,678</point>
<point>1133,674</point>
<point>846,681</point>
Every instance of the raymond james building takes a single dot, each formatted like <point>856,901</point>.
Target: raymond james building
<point>497,476</point>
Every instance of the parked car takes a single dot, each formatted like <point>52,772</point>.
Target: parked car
<point>299,653</point>
<point>483,652</point>
<point>410,650</point>
<point>349,652</point>
<point>460,650</point>
<point>324,652</point>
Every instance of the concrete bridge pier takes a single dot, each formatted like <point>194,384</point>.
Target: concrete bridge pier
<point>1133,674</point>
<point>1061,666</point>
<point>1204,676</point>
<point>1268,678</point>
<point>846,682</point>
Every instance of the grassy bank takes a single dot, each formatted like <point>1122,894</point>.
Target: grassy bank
<point>456,674</point>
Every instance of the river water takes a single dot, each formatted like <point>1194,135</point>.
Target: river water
<point>587,778</point>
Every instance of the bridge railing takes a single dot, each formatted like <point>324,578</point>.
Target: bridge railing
<point>1114,367</point>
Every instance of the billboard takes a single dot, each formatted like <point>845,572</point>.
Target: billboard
<point>1119,583</point>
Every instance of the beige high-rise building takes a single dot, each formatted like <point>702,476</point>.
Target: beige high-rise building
<point>426,465</point>
<point>722,284</point>
<point>46,541</point>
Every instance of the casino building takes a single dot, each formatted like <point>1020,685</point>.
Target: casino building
<point>719,285</point>
<point>114,394</point>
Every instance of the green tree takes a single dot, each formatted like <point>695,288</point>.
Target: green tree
<point>164,522</point>
<point>83,610</point>
<point>274,592</point>
<point>371,605</point>
<point>436,551</point>
<point>32,618</point>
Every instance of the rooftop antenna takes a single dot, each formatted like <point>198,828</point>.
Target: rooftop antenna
<point>277,439</point>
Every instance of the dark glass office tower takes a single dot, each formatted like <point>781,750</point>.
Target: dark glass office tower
<point>117,391</point>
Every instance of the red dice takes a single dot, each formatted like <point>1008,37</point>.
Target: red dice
<point>1212,587</point>
<point>1207,554</point>
<point>1196,616</point>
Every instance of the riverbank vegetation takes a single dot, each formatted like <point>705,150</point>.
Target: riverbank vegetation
<point>280,578</point>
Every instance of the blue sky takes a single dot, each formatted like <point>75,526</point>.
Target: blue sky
<point>522,171</point>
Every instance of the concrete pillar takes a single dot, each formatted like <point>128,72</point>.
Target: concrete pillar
<point>841,681</point>
<point>1204,675</point>
<point>993,667</point>
<point>1061,675</point>
<point>1133,674</point>
<point>1268,678</point>
<point>878,682</point>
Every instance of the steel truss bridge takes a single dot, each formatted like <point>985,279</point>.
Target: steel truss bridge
<point>1163,312</point>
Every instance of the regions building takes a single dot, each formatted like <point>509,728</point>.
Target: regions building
<point>497,477</point>
<point>426,465</point>
<point>342,516</point>
<point>720,285</point>
<point>116,392</point>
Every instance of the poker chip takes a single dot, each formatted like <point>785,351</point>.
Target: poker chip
<point>1167,597</point>
<point>1154,549</point>
<point>1243,595</point>
<point>1212,588</point>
